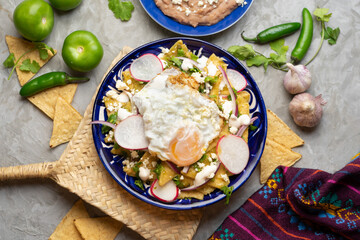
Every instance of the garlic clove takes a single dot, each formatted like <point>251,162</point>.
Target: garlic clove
<point>297,79</point>
<point>306,110</point>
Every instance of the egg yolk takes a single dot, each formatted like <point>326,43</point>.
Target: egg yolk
<point>186,148</point>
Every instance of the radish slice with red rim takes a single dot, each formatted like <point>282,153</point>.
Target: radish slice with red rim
<point>130,133</point>
<point>167,193</point>
<point>146,67</point>
<point>236,79</point>
<point>232,94</point>
<point>202,177</point>
<point>233,152</point>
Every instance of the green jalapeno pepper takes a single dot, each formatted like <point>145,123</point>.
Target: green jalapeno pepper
<point>49,80</point>
<point>305,37</point>
<point>274,33</point>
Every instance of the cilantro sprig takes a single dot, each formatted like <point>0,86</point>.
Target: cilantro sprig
<point>122,9</point>
<point>254,58</point>
<point>327,33</point>
<point>27,65</point>
<point>227,191</point>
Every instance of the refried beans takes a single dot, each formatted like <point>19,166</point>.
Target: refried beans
<point>198,12</point>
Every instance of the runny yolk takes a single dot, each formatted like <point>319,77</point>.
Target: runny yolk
<point>185,148</point>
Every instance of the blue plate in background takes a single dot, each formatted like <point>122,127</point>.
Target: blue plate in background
<point>113,163</point>
<point>158,16</point>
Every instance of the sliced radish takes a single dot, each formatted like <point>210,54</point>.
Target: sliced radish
<point>236,79</point>
<point>232,94</point>
<point>202,177</point>
<point>233,152</point>
<point>146,67</point>
<point>130,133</point>
<point>167,193</point>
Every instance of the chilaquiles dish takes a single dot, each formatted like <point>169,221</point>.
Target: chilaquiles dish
<point>186,109</point>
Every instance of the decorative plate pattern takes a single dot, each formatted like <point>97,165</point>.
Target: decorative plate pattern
<point>113,163</point>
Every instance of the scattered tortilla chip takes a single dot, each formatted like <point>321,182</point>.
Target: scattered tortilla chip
<point>18,47</point>
<point>45,100</point>
<point>66,122</point>
<point>281,133</point>
<point>274,155</point>
<point>66,229</point>
<point>98,228</point>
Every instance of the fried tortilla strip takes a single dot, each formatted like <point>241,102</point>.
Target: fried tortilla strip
<point>280,132</point>
<point>66,122</point>
<point>98,228</point>
<point>45,100</point>
<point>66,229</point>
<point>275,154</point>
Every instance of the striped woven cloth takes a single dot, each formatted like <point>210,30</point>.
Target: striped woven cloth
<point>298,203</point>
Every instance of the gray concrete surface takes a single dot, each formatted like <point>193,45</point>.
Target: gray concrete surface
<point>31,210</point>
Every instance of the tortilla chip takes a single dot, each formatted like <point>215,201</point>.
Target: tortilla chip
<point>66,229</point>
<point>274,155</point>
<point>45,100</point>
<point>98,228</point>
<point>19,46</point>
<point>280,132</point>
<point>66,122</point>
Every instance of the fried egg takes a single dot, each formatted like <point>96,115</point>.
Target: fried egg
<point>179,122</point>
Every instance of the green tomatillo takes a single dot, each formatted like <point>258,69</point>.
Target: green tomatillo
<point>34,19</point>
<point>82,51</point>
<point>65,5</point>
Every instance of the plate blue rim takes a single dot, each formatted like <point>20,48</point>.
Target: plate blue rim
<point>112,163</point>
<point>158,16</point>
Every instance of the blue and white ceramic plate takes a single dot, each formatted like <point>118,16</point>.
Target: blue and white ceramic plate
<point>113,163</point>
<point>158,16</point>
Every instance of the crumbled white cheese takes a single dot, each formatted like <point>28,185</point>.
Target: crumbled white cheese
<point>202,60</point>
<point>187,11</point>
<point>181,177</point>
<point>198,77</point>
<point>211,2</point>
<point>144,173</point>
<point>120,85</point>
<point>187,64</point>
<point>227,108</point>
<point>176,1</point>
<point>200,3</point>
<point>123,113</point>
<point>224,177</point>
<point>134,154</point>
<point>233,130</point>
<point>213,155</point>
<point>212,69</point>
<point>239,2</point>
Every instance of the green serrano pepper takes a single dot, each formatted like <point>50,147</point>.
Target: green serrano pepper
<point>49,80</point>
<point>274,33</point>
<point>305,37</point>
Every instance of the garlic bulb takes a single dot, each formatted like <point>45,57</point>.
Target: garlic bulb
<point>297,79</point>
<point>306,110</point>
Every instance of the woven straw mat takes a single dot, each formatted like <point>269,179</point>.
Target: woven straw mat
<point>80,170</point>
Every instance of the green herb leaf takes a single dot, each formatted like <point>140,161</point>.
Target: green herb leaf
<point>242,52</point>
<point>43,54</point>
<point>121,9</point>
<point>178,182</point>
<point>194,57</point>
<point>331,35</point>
<point>9,61</point>
<point>158,170</point>
<point>322,14</point>
<point>253,127</point>
<point>111,119</point>
<point>136,168</point>
<point>139,183</point>
<point>227,191</point>
<point>180,52</point>
<point>259,60</point>
<point>30,66</point>
<point>177,62</point>
<point>43,47</point>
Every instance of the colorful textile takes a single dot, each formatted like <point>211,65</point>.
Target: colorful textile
<point>300,204</point>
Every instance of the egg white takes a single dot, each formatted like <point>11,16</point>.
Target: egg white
<point>167,107</point>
